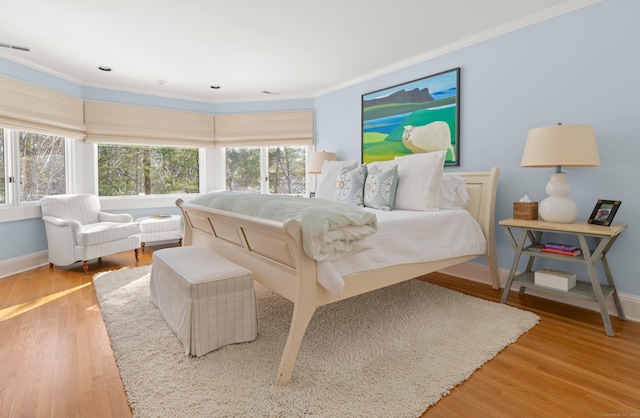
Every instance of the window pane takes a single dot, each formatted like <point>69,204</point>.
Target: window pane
<point>42,166</point>
<point>3,184</point>
<point>243,169</point>
<point>287,170</point>
<point>138,170</point>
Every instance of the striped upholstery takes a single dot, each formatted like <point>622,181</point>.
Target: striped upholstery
<point>207,300</point>
<point>77,229</point>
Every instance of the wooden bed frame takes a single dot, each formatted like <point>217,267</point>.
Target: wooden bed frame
<point>273,252</point>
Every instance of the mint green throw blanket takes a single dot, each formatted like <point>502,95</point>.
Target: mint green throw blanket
<point>330,230</point>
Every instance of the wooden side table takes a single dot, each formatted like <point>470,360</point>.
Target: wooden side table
<point>603,238</point>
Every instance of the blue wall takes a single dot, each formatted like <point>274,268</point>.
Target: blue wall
<point>578,68</point>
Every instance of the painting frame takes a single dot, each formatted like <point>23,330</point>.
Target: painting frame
<point>604,211</point>
<point>412,117</point>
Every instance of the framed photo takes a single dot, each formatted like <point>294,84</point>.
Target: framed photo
<point>418,116</point>
<point>604,212</point>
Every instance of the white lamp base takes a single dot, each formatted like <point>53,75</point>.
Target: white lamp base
<point>558,207</point>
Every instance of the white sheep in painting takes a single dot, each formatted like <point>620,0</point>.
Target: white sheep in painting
<point>435,136</point>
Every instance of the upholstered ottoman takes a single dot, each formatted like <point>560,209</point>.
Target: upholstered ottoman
<point>159,228</point>
<point>207,300</point>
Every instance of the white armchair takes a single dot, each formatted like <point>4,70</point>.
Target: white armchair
<point>78,231</point>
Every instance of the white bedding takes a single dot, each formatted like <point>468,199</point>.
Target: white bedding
<point>406,237</point>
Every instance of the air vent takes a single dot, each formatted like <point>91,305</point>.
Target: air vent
<point>19,48</point>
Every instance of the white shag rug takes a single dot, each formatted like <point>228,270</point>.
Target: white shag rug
<point>389,353</point>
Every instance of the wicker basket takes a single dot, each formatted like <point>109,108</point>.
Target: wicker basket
<point>525,210</point>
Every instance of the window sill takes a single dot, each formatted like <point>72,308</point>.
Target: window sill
<point>30,211</point>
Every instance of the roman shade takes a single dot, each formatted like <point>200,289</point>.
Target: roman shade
<point>27,107</point>
<point>264,129</point>
<point>112,123</point>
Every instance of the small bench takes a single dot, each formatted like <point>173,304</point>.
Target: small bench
<point>207,300</point>
<point>159,228</point>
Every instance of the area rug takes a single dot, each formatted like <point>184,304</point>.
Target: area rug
<point>389,353</point>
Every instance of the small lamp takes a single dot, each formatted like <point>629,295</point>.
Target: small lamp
<point>317,161</point>
<point>555,146</point>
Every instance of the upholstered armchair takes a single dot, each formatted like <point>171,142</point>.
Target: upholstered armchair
<point>77,230</point>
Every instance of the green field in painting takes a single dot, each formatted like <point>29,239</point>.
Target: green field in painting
<point>380,147</point>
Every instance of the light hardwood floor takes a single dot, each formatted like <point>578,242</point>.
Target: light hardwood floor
<point>56,360</point>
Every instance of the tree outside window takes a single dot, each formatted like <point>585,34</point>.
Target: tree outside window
<point>42,166</point>
<point>283,168</point>
<point>144,170</point>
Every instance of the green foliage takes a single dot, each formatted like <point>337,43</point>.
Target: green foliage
<point>141,170</point>
<point>287,170</point>
<point>243,169</point>
<point>42,166</point>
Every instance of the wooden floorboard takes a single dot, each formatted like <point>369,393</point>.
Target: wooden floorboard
<point>56,359</point>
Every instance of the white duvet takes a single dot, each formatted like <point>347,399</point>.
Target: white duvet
<point>406,237</point>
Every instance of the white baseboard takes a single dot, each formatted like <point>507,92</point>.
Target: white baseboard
<point>20,264</point>
<point>480,273</point>
<point>470,271</point>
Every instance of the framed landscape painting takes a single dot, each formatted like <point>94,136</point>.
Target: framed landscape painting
<point>414,117</point>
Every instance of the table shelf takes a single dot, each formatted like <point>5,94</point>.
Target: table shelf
<point>582,290</point>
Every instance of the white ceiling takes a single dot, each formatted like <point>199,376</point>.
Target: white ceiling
<point>297,48</point>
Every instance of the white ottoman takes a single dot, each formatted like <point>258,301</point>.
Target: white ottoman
<point>207,300</point>
<point>159,228</point>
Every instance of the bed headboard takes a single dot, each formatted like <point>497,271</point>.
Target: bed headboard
<point>482,188</point>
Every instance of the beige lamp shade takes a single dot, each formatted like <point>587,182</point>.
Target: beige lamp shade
<point>317,161</point>
<point>568,145</point>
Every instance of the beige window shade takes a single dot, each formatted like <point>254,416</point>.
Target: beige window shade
<point>264,129</point>
<point>32,108</point>
<point>112,123</point>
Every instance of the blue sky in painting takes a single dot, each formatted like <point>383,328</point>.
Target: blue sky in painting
<point>445,84</point>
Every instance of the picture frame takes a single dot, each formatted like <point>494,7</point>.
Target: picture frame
<point>421,115</point>
<point>604,211</point>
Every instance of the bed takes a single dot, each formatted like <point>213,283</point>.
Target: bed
<point>273,252</point>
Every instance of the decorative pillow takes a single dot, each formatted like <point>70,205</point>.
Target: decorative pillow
<point>453,192</point>
<point>326,186</point>
<point>380,188</point>
<point>419,181</point>
<point>350,185</point>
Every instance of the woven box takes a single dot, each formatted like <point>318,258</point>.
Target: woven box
<point>525,210</point>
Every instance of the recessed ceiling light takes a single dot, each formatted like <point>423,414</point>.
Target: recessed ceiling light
<point>103,68</point>
<point>215,87</point>
<point>271,92</point>
<point>162,82</point>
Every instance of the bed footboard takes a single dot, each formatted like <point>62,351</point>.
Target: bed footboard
<point>273,252</point>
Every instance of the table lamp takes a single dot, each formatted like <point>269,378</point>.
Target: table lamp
<point>317,161</point>
<point>557,146</point>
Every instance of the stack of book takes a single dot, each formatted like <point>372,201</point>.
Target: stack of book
<point>558,248</point>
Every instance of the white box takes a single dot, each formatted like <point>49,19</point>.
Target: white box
<point>554,279</point>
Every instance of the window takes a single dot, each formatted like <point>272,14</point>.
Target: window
<point>282,168</point>
<point>145,170</point>
<point>31,166</point>
<point>3,175</point>
<point>42,166</point>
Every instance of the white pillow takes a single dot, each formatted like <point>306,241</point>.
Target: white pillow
<point>419,181</point>
<point>453,192</point>
<point>326,187</point>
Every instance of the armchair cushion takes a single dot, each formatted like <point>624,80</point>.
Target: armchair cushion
<point>101,232</point>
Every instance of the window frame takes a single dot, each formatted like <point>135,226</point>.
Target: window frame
<point>15,209</point>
